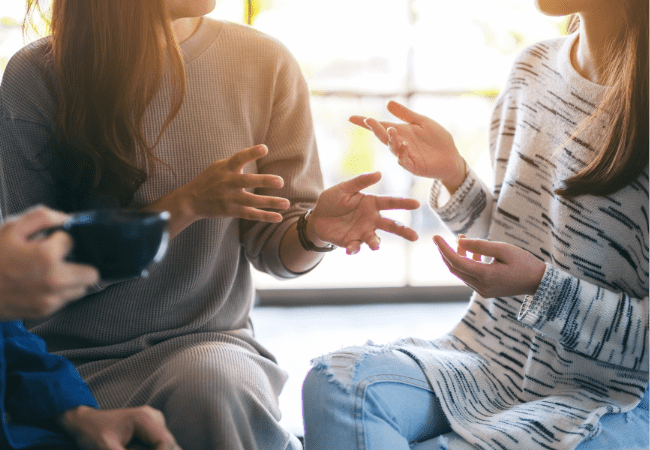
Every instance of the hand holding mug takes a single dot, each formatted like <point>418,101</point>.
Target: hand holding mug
<point>35,278</point>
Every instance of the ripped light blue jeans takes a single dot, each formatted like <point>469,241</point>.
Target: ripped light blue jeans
<point>378,399</point>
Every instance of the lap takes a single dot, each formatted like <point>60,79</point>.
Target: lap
<point>627,430</point>
<point>374,396</point>
<point>220,395</point>
<point>215,390</point>
<point>199,364</point>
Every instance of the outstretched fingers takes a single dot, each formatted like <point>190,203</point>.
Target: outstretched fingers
<point>254,180</point>
<point>259,215</point>
<point>385,202</point>
<point>360,182</point>
<point>403,113</point>
<point>396,228</point>
<point>353,248</point>
<point>378,129</point>
<point>372,240</point>
<point>466,269</point>
<point>497,250</point>
<point>264,201</point>
<point>359,121</point>
<point>237,161</point>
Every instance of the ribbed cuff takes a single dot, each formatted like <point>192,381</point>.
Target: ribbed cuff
<point>534,309</point>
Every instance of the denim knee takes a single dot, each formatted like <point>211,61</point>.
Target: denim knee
<point>331,383</point>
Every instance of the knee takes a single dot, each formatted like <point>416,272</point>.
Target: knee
<point>317,388</point>
<point>334,379</point>
<point>212,387</point>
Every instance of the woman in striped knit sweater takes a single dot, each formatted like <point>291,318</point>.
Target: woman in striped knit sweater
<point>552,352</point>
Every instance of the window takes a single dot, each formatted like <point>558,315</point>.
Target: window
<point>446,60</point>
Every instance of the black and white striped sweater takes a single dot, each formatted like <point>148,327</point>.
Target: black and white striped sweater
<point>538,372</point>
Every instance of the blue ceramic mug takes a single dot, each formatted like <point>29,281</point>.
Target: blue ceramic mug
<point>120,243</point>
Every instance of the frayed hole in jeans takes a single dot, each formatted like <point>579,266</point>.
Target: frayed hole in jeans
<point>341,366</point>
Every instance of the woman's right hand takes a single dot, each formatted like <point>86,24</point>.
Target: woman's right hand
<point>220,190</point>
<point>422,146</point>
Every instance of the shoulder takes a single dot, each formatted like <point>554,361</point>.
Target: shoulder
<point>541,60</point>
<point>26,91</point>
<point>535,67</point>
<point>248,36</point>
<point>543,51</point>
<point>244,43</point>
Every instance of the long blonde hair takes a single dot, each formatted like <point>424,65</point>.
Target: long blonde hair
<point>622,149</point>
<point>107,59</point>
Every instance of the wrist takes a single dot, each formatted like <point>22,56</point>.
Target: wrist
<point>309,239</point>
<point>311,234</point>
<point>180,209</point>
<point>454,182</point>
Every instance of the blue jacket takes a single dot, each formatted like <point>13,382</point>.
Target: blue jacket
<point>34,387</point>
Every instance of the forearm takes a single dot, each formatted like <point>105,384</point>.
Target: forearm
<point>588,319</point>
<point>468,210</point>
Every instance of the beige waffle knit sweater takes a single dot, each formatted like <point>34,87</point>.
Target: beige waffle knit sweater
<point>181,339</point>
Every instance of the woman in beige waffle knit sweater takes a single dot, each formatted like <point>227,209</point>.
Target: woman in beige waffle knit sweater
<point>111,111</point>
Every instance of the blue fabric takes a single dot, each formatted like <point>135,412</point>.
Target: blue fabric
<point>382,402</point>
<point>34,387</point>
<point>366,399</point>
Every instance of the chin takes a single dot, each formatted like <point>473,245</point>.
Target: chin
<point>191,8</point>
<point>556,7</point>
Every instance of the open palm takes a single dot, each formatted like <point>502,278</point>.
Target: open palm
<point>422,145</point>
<point>346,217</point>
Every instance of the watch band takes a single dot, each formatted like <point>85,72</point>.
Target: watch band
<point>304,240</point>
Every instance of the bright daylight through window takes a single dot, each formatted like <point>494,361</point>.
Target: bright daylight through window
<point>446,60</point>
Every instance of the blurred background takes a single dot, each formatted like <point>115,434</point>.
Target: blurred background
<point>445,59</point>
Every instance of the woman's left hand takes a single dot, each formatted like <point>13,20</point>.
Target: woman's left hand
<point>513,271</point>
<point>346,217</point>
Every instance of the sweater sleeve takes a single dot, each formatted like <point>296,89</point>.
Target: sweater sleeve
<point>26,112</point>
<point>468,210</point>
<point>293,156</point>
<point>40,385</point>
<point>588,319</point>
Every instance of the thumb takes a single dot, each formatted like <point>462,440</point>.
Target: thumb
<point>37,219</point>
<point>360,182</point>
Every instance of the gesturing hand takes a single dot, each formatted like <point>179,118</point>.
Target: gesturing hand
<point>220,190</point>
<point>422,146</point>
<point>35,279</point>
<point>116,429</point>
<point>346,217</point>
<point>513,271</point>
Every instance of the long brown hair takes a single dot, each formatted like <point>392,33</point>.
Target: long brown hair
<point>622,149</point>
<point>107,58</point>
